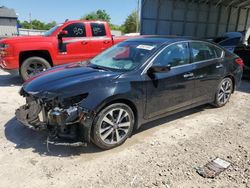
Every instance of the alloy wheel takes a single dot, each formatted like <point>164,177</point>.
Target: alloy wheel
<point>225,91</point>
<point>115,126</point>
<point>34,68</point>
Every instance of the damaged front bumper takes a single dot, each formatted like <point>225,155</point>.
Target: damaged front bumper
<point>69,126</point>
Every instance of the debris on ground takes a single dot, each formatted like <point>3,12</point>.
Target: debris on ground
<point>213,168</point>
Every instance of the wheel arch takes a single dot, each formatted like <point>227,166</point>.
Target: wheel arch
<point>128,102</point>
<point>233,80</point>
<point>35,53</point>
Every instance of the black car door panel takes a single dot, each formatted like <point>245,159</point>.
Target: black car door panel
<point>173,89</point>
<point>207,72</point>
<point>169,91</point>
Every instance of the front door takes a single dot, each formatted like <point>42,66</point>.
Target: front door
<point>76,44</point>
<point>174,89</point>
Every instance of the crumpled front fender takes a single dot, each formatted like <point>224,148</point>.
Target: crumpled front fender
<point>28,116</point>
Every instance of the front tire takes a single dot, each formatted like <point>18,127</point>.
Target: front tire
<point>113,125</point>
<point>32,66</point>
<point>224,92</point>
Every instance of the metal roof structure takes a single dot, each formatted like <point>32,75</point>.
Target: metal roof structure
<point>7,13</point>
<point>199,18</point>
<point>227,3</point>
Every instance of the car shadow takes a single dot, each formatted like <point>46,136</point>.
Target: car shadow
<point>25,138</point>
<point>173,117</point>
<point>7,80</point>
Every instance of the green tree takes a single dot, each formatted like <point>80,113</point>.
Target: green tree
<point>98,15</point>
<point>25,25</point>
<point>115,27</point>
<point>130,23</point>
<point>36,24</point>
<point>50,25</point>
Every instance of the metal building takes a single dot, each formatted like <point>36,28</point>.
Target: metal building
<point>8,22</point>
<point>201,18</point>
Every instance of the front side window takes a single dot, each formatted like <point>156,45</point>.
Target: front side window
<point>202,51</point>
<point>75,30</point>
<point>174,55</point>
<point>98,30</point>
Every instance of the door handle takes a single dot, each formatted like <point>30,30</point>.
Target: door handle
<point>106,42</point>
<point>84,42</point>
<point>219,66</point>
<point>188,75</point>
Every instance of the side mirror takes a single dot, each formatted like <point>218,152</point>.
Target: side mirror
<point>159,69</point>
<point>62,33</point>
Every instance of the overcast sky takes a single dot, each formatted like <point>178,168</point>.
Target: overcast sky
<point>59,10</point>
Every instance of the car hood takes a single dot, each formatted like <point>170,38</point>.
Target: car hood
<point>68,80</point>
<point>26,39</point>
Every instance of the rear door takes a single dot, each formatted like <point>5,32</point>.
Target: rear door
<point>174,89</point>
<point>209,70</point>
<point>101,38</point>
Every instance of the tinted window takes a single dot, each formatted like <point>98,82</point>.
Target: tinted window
<point>174,55</point>
<point>98,30</point>
<point>202,51</point>
<point>75,30</point>
<point>230,42</point>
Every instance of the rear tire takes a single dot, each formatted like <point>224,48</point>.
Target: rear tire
<point>32,66</point>
<point>112,126</point>
<point>223,93</point>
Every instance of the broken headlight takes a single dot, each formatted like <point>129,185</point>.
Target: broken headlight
<point>64,116</point>
<point>74,100</point>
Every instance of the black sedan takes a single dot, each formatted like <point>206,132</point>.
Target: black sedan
<point>105,99</point>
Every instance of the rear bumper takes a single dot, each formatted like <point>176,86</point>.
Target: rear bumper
<point>237,78</point>
<point>246,72</point>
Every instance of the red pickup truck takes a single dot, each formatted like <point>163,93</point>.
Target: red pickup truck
<point>71,41</point>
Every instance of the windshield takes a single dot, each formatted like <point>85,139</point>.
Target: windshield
<point>125,56</point>
<point>49,32</point>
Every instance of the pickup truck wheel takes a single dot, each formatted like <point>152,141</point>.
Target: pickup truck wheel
<point>32,66</point>
<point>113,125</point>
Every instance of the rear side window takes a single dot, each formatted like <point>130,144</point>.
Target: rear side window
<point>202,51</point>
<point>218,51</point>
<point>174,55</point>
<point>75,30</point>
<point>98,30</point>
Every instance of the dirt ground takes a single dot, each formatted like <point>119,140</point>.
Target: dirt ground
<point>163,153</point>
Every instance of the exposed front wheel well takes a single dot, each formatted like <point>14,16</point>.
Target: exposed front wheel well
<point>36,53</point>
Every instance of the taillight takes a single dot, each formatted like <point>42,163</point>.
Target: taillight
<point>240,62</point>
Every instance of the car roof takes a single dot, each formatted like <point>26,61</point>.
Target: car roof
<point>164,39</point>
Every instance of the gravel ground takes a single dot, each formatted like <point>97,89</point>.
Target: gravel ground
<point>163,153</point>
